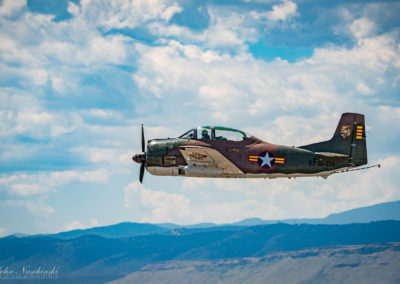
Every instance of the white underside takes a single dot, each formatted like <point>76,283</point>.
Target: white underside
<point>210,173</point>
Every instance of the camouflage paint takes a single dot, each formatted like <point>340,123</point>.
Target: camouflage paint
<point>347,148</point>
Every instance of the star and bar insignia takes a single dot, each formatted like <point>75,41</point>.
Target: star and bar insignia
<point>266,160</point>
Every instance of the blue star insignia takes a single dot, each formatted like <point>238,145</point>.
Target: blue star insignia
<point>266,160</point>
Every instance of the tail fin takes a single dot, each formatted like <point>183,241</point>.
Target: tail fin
<point>349,139</point>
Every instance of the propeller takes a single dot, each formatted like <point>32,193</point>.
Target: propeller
<point>143,164</point>
<point>141,174</point>
<point>143,141</point>
<point>140,158</point>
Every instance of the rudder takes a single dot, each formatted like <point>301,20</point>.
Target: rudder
<point>358,153</point>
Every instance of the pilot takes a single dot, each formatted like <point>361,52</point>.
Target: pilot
<point>204,134</point>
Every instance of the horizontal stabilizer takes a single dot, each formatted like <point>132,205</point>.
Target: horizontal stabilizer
<point>330,155</point>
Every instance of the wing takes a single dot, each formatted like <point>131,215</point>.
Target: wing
<point>196,155</point>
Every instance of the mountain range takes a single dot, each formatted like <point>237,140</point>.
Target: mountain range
<point>363,246</point>
<point>378,212</point>
<point>95,259</point>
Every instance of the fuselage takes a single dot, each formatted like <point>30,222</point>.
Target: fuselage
<point>216,151</point>
<point>165,158</point>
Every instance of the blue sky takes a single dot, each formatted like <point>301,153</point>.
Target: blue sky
<point>78,77</point>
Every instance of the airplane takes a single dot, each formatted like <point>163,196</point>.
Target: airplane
<point>222,152</point>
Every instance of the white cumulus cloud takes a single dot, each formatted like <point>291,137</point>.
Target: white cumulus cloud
<point>159,205</point>
<point>35,206</point>
<point>124,13</point>
<point>23,184</point>
<point>280,13</point>
<point>9,7</point>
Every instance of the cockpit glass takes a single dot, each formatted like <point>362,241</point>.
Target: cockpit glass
<point>229,135</point>
<point>188,135</point>
<point>215,133</point>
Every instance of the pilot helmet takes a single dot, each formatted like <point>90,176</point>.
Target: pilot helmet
<point>204,132</point>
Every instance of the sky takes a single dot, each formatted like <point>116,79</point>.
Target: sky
<point>77,78</point>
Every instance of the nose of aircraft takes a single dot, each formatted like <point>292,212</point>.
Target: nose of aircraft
<point>139,157</point>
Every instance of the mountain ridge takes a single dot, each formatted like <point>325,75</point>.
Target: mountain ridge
<point>90,256</point>
<point>378,212</point>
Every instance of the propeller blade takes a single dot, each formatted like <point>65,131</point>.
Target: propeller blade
<point>143,141</point>
<point>141,172</point>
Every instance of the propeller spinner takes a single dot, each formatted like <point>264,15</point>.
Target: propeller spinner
<point>140,158</point>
